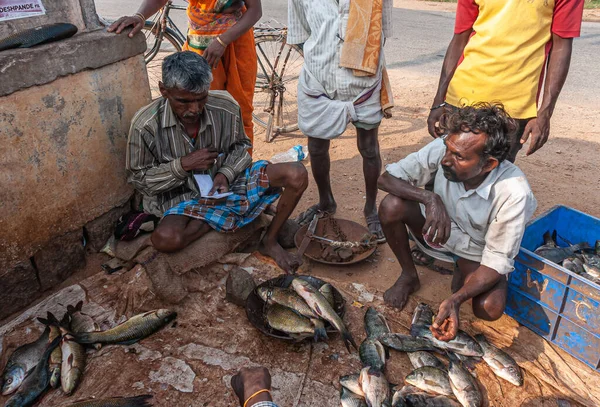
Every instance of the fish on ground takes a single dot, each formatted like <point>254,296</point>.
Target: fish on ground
<point>80,321</point>
<point>375,323</point>
<point>323,309</point>
<point>137,401</point>
<point>21,361</point>
<point>351,383</point>
<point>56,355</point>
<point>131,331</point>
<point>422,315</point>
<point>36,382</point>
<point>73,364</point>
<point>421,358</point>
<point>463,343</point>
<point>375,387</point>
<point>290,299</point>
<point>350,399</point>
<point>285,320</point>
<point>464,386</point>
<point>414,397</point>
<point>406,343</point>
<point>430,379</point>
<point>501,363</point>
<point>372,353</point>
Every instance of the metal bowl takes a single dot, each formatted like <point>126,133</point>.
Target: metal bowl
<point>352,230</point>
<point>256,307</point>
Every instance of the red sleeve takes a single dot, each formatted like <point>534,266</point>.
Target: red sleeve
<point>466,14</point>
<point>566,21</point>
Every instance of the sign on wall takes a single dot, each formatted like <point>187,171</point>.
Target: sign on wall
<point>11,9</point>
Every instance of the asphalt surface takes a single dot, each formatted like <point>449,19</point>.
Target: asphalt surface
<point>420,40</point>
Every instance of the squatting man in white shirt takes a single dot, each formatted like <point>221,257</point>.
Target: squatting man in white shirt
<point>475,215</point>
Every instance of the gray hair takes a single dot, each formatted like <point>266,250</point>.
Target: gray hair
<point>186,71</point>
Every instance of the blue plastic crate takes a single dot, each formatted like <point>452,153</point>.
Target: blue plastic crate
<point>553,302</point>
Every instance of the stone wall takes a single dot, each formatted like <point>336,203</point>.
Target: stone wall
<point>65,111</point>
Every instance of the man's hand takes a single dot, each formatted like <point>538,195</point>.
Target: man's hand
<point>437,221</point>
<point>213,53</point>
<point>220,185</point>
<point>539,129</point>
<point>433,122</point>
<point>445,326</point>
<point>250,380</point>
<point>127,21</point>
<point>200,159</point>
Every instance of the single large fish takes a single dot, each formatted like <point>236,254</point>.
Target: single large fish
<point>36,383</point>
<point>413,397</point>
<point>349,399</point>
<point>406,343</point>
<point>500,362</point>
<point>137,401</point>
<point>323,309</point>
<point>551,251</point>
<point>351,383</point>
<point>290,299</point>
<point>285,320</point>
<point>463,385</point>
<point>430,379</point>
<point>463,344</point>
<point>21,361</point>
<point>129,332</point>
<point>421,358</point>
<point>73,364</point>
<point>375,323</point>
<point>375,387</point>
<point>422,315</point>
<point>372,353</point>
<point>39,35</point>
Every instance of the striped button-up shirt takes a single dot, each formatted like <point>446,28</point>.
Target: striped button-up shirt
<point>157,142</point>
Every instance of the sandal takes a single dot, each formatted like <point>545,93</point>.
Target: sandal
<point>308,215</point>
<point>418,256</point>
<point>374,226</point>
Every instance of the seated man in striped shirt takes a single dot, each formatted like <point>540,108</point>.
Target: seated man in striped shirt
<point>191,130</point>
<point>475,216</point>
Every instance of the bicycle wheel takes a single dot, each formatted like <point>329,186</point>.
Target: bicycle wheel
<point>275,92</point>
<point>157,50</point>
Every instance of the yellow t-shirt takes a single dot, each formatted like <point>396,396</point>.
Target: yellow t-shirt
<point>505,57</point>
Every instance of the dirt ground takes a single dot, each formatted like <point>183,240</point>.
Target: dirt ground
<point>190,365</point>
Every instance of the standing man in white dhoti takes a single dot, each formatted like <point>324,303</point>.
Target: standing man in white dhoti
<point>343,80</point>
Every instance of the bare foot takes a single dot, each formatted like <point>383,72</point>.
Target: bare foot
<point>250,380</point>
<point>289,262</point>
<point>397,295</point>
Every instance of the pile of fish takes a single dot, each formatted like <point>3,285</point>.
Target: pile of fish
<point>57,358</point>
<point>302,310</point>
<point>579,258</point>
<point>431,383</point>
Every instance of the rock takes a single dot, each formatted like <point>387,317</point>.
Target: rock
<point>238,286</point>
<point>346,254</point>
<point>19,288</point>
<point>60,258</point>
<point>175,372</point>
<point>101,228</point>
<point>287,233</point>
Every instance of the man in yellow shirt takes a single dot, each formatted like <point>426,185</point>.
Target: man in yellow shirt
<point>499,52</point>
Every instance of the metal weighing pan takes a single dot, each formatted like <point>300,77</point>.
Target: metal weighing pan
<point>353,231</point>
<point>256,307</point>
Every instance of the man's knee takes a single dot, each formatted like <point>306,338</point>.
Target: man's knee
<point>392,209</point>
<point>490,309</point>
<point>297,177</point>
<point>318,147</point>
<point>167,239</point>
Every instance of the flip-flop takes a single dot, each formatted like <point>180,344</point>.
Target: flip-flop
<point>417,254</point>
<point>308,215</point>
<point>372,222</point>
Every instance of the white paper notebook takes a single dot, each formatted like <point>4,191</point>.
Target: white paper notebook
<point>205,184</point>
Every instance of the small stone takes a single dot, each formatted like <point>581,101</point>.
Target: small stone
<point>219,320</point>
<point>391,260</point>
<point>138,385</point>
<point>238,286</point>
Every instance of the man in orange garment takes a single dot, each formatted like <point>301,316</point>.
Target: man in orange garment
<point>221,31</point>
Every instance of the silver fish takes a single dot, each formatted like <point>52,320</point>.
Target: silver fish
<point>349,399</point>
<point>430,379</point>
<point>406,343</point>
<point>327,291</point>
<point>421,358</point>
<point>21,361</point>
<point>73,364</point>
<point>323,309</point>
<point>372,353</point>
<point>551,251</point>
<point>463,344</point>
<point>285,320</point>
<point>375,387</point>
<point>351,383</point>
<point>375,323</point>
<point>573,264</point>
<point>500,362</point>
<point>463,385</point>
<point>422,315</point>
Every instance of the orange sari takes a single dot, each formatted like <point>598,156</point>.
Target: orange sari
<point>237,71</point>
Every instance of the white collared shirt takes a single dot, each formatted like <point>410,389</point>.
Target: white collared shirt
<point>487,222</point>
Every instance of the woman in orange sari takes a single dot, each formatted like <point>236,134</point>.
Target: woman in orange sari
<point>221,31</point>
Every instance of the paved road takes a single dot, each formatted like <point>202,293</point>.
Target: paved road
<point>420,40</point>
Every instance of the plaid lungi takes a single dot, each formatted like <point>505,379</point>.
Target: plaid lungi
<point>251,196</point>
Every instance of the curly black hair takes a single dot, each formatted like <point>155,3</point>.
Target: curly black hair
<point>490,119</point>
